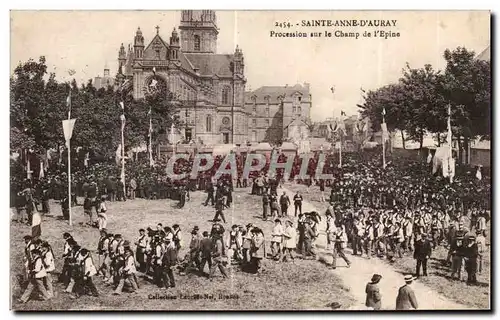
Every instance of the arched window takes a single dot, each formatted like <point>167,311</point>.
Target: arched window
<point>209,123</point>
<point>196,43</point>
<point>225,95</point>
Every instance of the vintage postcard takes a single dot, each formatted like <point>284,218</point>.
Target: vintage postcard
<point>250,160</point>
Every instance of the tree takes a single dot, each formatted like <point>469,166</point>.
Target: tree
<point>467,88</point>
<point>426,107</point>
<point>391,97</point>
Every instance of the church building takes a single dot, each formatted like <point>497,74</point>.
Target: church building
<point>209,87</point>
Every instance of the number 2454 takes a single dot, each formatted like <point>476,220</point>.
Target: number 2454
<point>283,24</point>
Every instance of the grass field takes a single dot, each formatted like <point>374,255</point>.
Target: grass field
<point>438,274</point>
<point>301,285</point>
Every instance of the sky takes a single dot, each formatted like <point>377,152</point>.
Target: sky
<point>87,40</point>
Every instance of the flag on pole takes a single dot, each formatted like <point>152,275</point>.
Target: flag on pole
<point>449,137</point>
<point>86,160</point>
<point>332,89</point>
<point>341,125</point>
<point>36,225</point>
<point>68,126</point>
<point>118,154</point>
<point>68,104</point>
<point>42,173</point>
<point>451,161</point>
<point>479,176</point>
<point>28,165</point>
<point>385,133</point>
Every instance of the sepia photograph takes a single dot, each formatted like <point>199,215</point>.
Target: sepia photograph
<point>222,160</point>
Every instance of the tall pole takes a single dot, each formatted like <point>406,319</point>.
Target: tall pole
<point>69,180</point>
<point>150,138</point>
<point>450,152</point>
<point>122,118</point>
<point>383,141</point>
<point>232,111</point>
<point>340,151</point>
<point>69,163</point>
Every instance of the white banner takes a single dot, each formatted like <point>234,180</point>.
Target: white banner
<point>68,128</point>
<point>385,133</point>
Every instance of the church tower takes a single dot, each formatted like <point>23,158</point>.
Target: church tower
<point>173,53</point>
<point>198,31</point>
<point>138,45</point>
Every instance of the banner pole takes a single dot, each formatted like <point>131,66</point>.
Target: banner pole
<point>69,181</point>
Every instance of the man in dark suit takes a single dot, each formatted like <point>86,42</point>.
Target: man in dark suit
<point>284,203</point>
<point>406,299</point>
<point>422,253</point>
<point>169,262</point>
<point>373,297</point>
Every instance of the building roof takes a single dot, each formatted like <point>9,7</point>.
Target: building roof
<point>209,64</point>
<point>297,122</point>
<point>276,92</point>
<point>485,55</point>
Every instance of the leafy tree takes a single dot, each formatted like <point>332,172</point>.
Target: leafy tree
<point>426,107</point>
<point>467,88</point>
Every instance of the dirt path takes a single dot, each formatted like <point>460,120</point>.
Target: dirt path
<point>362,269</point>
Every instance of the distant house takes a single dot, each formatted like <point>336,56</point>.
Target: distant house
<point>105,81</point>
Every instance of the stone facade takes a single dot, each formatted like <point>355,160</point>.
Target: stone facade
<point>271,109</point>
<point>209,87</point>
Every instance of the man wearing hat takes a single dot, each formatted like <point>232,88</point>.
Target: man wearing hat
<point>234,241</point>
<point>247,243</point>
<point>156,256</point>
<point>373,297</point>
<point>457,251</point>
<point>140,251</point>
<point>481,247</point>
<point>284,204</point>
<point>471,255</point>
<point>308,237</point>
<point>36,278</point>
<point>65,273</point>
<point>127,273</point>
<point>258,250</point>
<point>194,247</point>
<point>50,266</point>
<point>177,236</point>
<point>340,238</point>
<point>169,260</point>
<point>89,270</point>
<point>406,299</point>
<point>112,254</point>
<point>422,253</point>
<point>277,237</point>
<point>102,251</point>
<point>289,242</point>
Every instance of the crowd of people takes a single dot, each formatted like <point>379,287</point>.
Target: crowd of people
<point>391,212</point>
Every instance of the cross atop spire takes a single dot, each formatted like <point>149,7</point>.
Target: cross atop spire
<point>157,30</point>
